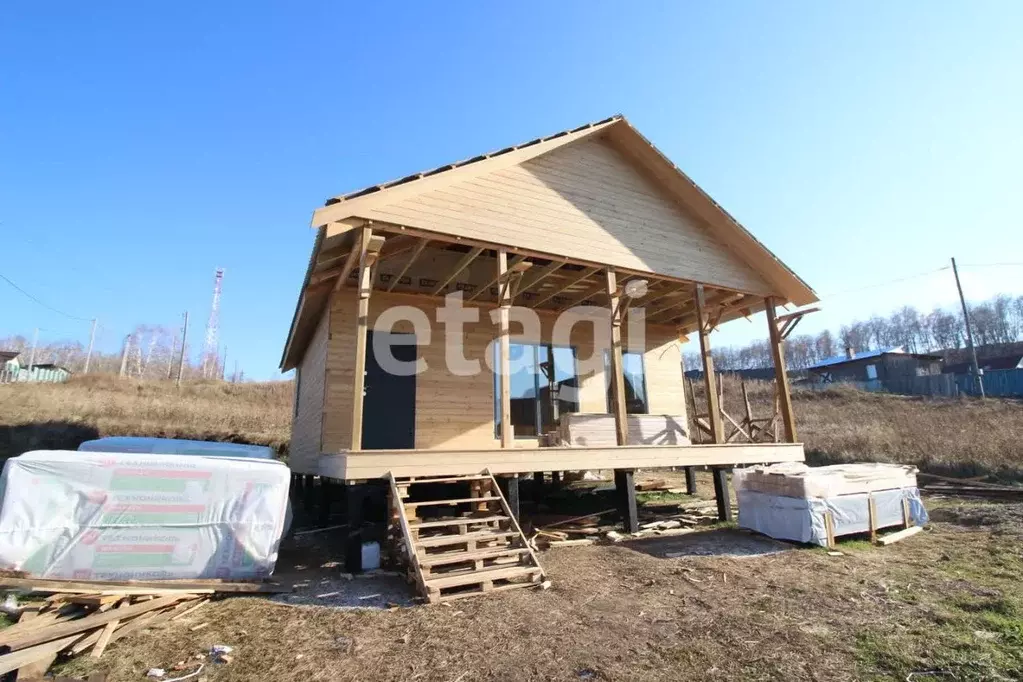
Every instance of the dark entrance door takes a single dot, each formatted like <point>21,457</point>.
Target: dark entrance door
<point>389,408</point>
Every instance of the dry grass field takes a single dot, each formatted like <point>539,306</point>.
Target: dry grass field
<point>60,416</point>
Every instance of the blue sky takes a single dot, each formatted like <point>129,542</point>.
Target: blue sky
<point>141,146</point>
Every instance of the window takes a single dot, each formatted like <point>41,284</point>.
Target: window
<point>871,372</point>
<point>635,383</point>
<point>542,384</point>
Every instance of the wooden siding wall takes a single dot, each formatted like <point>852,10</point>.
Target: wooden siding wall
<point>586,201</point>
<point>306,426</point>
<point>458,411</point>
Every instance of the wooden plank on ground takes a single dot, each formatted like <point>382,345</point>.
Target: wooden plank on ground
<point>46,651</point>
<point>60,630</point>
<point>104,638</point>
<point>191,609</point>
<point>899,535</point>
<point>126,626</point>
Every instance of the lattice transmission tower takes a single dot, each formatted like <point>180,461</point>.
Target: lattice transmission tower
<point>211,345</point>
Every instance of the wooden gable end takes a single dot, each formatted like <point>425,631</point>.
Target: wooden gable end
<point>583,200</point>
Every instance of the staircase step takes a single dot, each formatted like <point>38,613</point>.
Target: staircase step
<point>446,479</point>
<point>460,521</point>
<point>462,500</point>
<point>470,577</point>
<point>476,593</point>
<point>478,555</point>
<point>444,540</point>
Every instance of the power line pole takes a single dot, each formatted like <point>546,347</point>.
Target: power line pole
<point>978,380</point>
<point>92,340</point>
<point>181,355</point>
<point>32,355</point>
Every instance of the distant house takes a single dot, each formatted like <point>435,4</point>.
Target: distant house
<point>1010,361</point>
<point>876,365</point>
<point>13,371</point>
<point>9,365</point>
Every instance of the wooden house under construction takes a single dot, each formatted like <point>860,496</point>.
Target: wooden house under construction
<point>592,222</point>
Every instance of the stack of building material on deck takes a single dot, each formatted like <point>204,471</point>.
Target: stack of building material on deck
<point>792,501</point>
<point>77,617</point>
<point>598,430</point>
<point>117,516</point>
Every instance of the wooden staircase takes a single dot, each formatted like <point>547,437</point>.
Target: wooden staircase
<point>458,546</point>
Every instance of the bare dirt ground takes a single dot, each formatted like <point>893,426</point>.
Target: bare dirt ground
<point>943,605</point>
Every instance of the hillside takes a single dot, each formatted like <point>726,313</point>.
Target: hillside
<point>963,437</point>
<point>34,416</point>
<point>959,437</point>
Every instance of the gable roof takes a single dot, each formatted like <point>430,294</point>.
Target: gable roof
<point>723,237</point>
<point>635,148</point>
<point>867,354</point>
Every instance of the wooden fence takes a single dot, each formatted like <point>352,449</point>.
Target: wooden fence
<point>998,383</point>
<point>36,374</point>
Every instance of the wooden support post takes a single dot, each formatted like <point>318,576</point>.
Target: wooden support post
<point>504,299</point>
<point>690,481</point>
<point>872,518</point>
<point>556,480</point>
<point>354,517</point>
<point>326,500</point>
<point>617,373</point>
<point>368,251</point>
<point>829,529</point>
<point>717,428</point>
<point>781,376</point>
<point>510,488</point>
<point>307,492</point>
<point>713,408</point>
<point>721,493</point>
<point>626,490</point>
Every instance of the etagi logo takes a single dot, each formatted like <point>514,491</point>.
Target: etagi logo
<point>454,317</point>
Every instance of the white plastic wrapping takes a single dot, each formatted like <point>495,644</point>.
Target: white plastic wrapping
<point>117,516</point>
<point>175,446</point>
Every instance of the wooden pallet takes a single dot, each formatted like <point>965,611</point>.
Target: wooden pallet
<point>475,548</point>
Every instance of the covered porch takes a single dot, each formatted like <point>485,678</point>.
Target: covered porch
<point>464,425</point>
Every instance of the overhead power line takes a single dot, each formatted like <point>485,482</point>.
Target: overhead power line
<point>897,280</point>
<point>990,265</point>
<point>43,304</point>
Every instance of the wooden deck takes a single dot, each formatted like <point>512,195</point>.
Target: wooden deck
<point>371,464</point>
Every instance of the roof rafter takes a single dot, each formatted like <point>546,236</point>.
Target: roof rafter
<point>586,274</point>
<point>415,255</point>
<point>462,264</point>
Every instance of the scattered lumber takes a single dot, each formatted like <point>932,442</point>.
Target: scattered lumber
<point>892,538</point>
<point>77,616</point>
<point>575,519</point>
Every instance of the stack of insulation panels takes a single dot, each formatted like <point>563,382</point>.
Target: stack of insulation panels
<point>121,516</point>
<point>792,501</point>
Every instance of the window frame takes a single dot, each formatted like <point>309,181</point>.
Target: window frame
<point>537,375</point>
<point>607,381</point>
